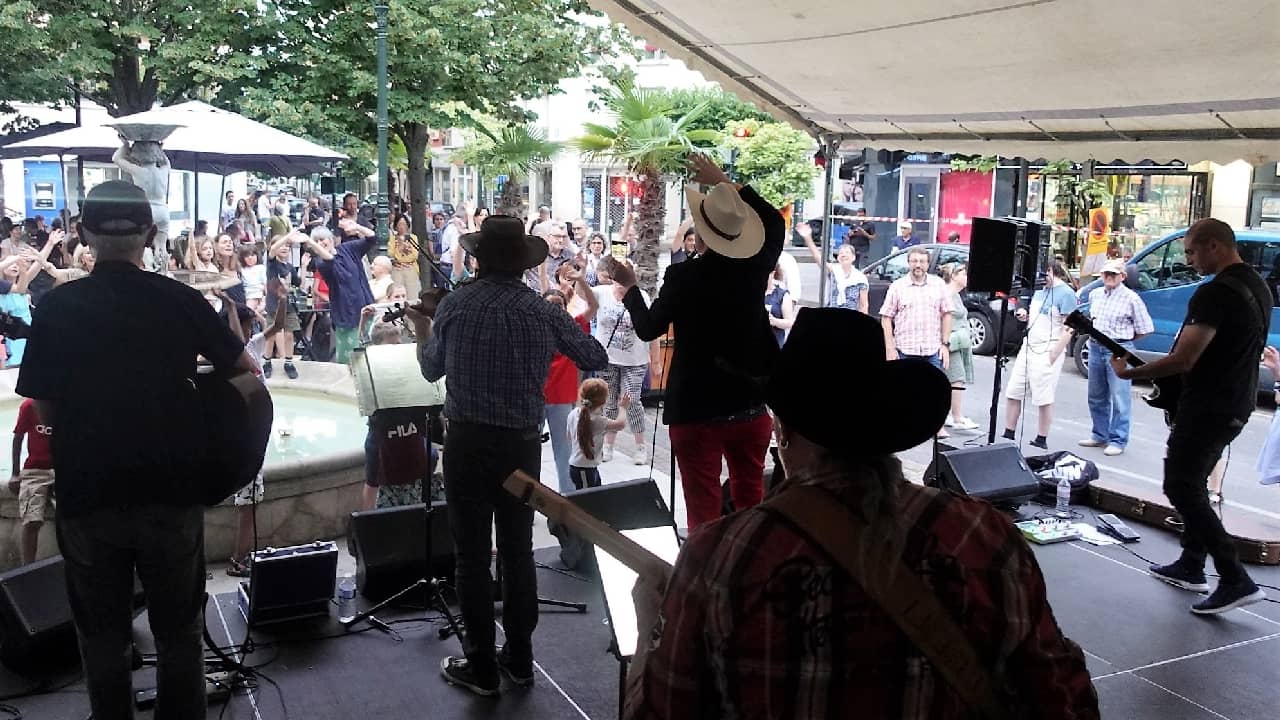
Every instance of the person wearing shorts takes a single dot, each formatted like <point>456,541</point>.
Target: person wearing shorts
<point>34,482</point>
<point>1039,362</point>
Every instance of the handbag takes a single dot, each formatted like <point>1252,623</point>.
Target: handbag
<point>895,588</point>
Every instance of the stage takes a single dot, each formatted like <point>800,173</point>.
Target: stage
<point>1149,656</point>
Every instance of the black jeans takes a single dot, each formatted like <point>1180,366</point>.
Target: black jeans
<point>165,544</point>
<point>1195,444</point>
<point>477,459</point>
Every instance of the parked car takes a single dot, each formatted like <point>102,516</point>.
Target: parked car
<point>984,308</point>
<point>1164,280</point>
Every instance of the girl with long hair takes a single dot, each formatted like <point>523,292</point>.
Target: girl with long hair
<point>586,428</point>
<point>561,389</point>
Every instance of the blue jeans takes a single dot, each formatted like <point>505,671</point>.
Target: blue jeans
<point>557,422</point>
<point>934,359</point>
<point>1110,398</point>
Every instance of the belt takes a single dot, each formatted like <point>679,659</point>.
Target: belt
<point>1114,339</point>
<point>750,414</point>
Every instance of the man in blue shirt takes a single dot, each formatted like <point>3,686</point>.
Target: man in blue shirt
<point>349,288</point>
<point>493,339</point>
<point>905,238</point>
<point>1038,365</point>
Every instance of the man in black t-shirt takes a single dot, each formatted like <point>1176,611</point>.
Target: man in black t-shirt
<point>126,451</point>
<point>1217,354</point>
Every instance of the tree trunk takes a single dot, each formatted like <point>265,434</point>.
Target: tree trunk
<point>650,220</point>
<point>416,139</point>
<point>511,200</point>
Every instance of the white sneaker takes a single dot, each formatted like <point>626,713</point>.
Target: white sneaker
<point>950,421</point>
<point>1091,443</point>
<point>1113,450</point>
<point>965,423</point>
<point>607,455</point>
<point>641,457</point>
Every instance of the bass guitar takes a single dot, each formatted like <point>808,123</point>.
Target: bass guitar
<point>1165,392</point>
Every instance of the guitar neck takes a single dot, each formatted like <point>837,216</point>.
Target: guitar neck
<point>1114,347</point>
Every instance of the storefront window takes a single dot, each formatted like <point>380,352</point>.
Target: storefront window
<point>1148,207</point>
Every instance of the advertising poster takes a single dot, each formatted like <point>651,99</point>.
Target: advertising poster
<point>1099,235</point>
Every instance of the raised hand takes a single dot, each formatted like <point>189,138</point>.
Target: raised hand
<point>705,170</point>
<point>1271,360</point>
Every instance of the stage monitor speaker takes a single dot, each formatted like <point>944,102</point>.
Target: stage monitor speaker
<point>36,629</point>
<point>996,473</point>
<point>390,547</point>
<point>992,245</point>
<point>631,505</point>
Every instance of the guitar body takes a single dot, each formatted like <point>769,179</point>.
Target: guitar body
<point>1166,391</point>
<point>238,414</point>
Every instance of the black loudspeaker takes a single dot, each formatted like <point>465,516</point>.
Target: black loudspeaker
<point>391,548</point>
<point>992,245</point>
<point>36,629</point>
<point>1035,259</point>
<point>996,473</point>
<point>630,505</point>
<point>330,185</point>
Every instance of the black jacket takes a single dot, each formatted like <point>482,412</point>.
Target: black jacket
<point>722,336</point>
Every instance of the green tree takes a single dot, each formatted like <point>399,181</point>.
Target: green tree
<point>450,62</point>
<point>774,158</point>
<point>128,55</point>
<point>514,152</point>
<point>653,139</point>
<point>722,107</point>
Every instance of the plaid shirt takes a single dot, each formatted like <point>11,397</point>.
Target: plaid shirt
<point>492,341</point>
<point>917,310</point>
<point>1119,313</point>
<point>757,623</point>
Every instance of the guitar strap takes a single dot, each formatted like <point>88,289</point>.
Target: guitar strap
<point>897,589</point>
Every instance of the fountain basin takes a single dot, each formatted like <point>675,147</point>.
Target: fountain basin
<point>313,472</point>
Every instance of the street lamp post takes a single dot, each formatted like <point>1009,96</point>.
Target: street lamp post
<point>383,210</point>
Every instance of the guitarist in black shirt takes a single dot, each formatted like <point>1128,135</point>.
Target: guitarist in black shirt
<point>1216,353</point>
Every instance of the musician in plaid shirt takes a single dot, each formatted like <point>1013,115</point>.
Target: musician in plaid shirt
<point>493,340</point>
<point>1120,314</point>
<point>759,622</point>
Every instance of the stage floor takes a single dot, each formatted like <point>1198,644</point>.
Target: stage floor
<point>1149,656</point>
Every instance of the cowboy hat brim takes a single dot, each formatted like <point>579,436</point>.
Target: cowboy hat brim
<point>530,251</point>
<point>749,240</point>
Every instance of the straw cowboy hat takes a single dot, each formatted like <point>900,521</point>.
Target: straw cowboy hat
<point>502,244</point>
<point>728,226</point>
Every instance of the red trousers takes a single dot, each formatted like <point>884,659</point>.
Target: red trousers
<point>699,449</point>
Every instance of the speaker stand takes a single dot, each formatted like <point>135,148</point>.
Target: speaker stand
<point>1000,359</point>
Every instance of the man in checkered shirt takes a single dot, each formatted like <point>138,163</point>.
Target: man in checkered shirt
<point>493,340</point>
<point>1121,315</point>
<point>916,314</point>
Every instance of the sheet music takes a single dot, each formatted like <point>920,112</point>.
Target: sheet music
<point>388,376</point>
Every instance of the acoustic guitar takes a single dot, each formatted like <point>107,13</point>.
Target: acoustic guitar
<point>1165,392</point>
<point>238,414</point>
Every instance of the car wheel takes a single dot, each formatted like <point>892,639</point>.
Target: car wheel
<point>982,333</point>
<point>1080,354</point>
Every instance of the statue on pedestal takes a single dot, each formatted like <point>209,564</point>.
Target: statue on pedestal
<point>148,168</point>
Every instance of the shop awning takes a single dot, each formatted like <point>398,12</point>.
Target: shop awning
<point>1108,80</point>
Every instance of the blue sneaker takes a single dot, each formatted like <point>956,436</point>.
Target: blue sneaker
<point>1179,575</point>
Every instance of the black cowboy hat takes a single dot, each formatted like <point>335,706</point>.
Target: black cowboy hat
<point>907,400</point>
<point>503,245</point>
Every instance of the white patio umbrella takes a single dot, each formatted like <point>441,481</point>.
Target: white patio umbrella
<point>210,140</point>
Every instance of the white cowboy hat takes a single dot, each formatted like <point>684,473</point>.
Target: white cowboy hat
<point>727,224</point>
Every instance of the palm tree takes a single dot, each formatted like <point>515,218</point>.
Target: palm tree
<point>653,145</point>
<point>515,151</point>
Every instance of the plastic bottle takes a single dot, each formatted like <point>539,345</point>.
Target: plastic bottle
<point>1063,507</point>
<point>347,588</point>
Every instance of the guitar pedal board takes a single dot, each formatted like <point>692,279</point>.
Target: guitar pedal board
<point>1048,530</point>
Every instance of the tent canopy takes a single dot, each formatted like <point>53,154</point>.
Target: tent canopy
<point>210,140</point>
<point>1077,79</point>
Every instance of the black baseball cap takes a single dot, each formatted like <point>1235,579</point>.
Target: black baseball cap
<point>116,207</point>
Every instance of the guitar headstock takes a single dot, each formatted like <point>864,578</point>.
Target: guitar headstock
<point>1078,321</point>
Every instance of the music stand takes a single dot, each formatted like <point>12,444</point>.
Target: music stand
<point>637,510</point>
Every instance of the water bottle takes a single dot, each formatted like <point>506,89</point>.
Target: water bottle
<point>346,588</point>
<point>1063,507</point>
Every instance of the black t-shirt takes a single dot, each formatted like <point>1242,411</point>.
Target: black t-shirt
<point>1224,381</point>
<point>115,354</point>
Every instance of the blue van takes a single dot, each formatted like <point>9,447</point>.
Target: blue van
<point>1161,276</point>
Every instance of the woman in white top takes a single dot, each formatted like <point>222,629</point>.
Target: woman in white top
<point>628,364</point>
<point>848,286</point>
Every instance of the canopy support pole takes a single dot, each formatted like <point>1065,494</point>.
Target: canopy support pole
<point>830,153</point>
<point>196,219</point>
<point>65,214</point>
